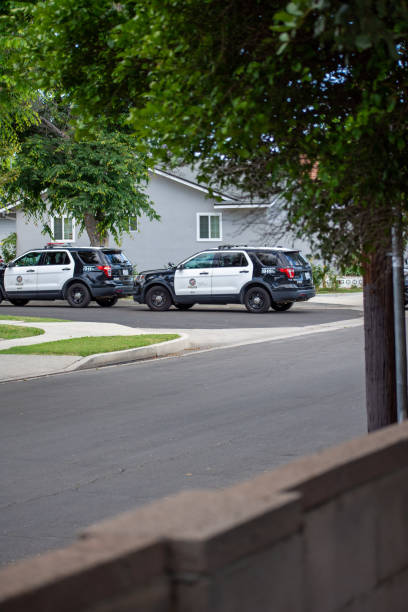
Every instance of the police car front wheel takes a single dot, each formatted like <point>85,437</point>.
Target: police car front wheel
<point>257,300</point>
<point>78,295</point>
<point>158,298</point>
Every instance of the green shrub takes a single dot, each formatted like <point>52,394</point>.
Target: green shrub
<point>9,247</point>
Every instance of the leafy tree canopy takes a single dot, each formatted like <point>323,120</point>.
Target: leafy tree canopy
<point>98,181</point>
<point>256,93</point>
<point>16,111</point>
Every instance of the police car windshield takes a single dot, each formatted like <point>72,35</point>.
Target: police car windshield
<point>116,257</point>
<point>296,259</point>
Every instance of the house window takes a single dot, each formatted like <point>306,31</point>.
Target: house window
<point>209,226</point>
<point>63,229</point>
<point>133,225</point>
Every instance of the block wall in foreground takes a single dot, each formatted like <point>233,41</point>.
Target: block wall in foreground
<point>327,533</point>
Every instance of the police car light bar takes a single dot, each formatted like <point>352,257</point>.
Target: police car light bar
<point>51,245</point>
<point>232,246</point>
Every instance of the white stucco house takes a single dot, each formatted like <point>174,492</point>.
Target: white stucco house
<point>190,222</point>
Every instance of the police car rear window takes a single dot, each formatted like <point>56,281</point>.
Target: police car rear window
<point>268,259</point>
<point>116,257</point>
<point>89,257</point>
<point>296,259</point>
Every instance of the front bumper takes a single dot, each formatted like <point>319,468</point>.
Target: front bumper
<point>138,293</point>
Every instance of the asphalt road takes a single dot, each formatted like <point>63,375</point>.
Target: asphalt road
<point>129,313</point>
<point>76,448</point>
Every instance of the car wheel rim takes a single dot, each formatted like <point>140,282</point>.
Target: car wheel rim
<point>78,297</point>
<point>158,299</point>
<point>256,301</point>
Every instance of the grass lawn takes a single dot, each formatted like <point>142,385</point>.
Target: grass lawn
<point>31,319</point>
<point>9,332</point>
<point>351,290</point>
<point>90,345</point>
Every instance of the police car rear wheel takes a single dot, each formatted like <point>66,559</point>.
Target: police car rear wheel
<point>257,300</point>
<point>158,298</point>
<point>281,307</point>
<point>78,296</point>
<point>106,302</point>
<point>19,302</point>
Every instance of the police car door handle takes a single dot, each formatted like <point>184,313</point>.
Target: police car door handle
<point>243,271</point>
<point>201,273</point>
<point>63,269</point>
<point>30,270</point>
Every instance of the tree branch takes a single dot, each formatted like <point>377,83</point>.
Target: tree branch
<point>53,128</point>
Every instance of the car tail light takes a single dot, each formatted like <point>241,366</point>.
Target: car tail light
<point>290,272</point>
<point>107,270</point>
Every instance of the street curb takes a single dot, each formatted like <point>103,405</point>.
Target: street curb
<point>162,349</point>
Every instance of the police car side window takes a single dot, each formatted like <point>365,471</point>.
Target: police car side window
<point>204,260</point>
<point>268,259</point>
<point>56,258</point>
<point>30,259</point>
<point>232,260</point>
<point>89,257</point>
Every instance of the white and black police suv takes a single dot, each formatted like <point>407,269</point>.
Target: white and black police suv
<point>258,277</point>
<point>75,274</point>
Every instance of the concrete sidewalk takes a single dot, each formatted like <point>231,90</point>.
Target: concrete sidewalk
<point>17,367</point>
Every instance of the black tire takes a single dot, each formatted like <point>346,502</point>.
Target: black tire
<point>107,302</point>
<point>158,298</point>
<point>18,302</point>
<point>281,307</point>
<point>183,306</point>
<point>257,300</point>
<point>78,295</point>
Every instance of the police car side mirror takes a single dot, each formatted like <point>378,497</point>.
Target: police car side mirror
<point>180,267</point>
<point>10,264</point>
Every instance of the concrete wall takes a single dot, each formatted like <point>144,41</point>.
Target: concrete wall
<point>174,237</point>
<point>327,533</point>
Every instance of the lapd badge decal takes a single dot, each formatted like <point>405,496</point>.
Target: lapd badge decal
<point>19,280</point>
<point>192,283</point>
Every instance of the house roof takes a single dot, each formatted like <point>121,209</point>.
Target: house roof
<point>190,183</point>
<point>227,200</point>
<point>7,208</point>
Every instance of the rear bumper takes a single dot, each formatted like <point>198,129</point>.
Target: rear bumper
<point>112,290</point>
<point>292,295</point>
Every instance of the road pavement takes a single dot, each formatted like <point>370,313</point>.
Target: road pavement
<point>195,334</point>
<point>322,309</point>
<point>83,446</point>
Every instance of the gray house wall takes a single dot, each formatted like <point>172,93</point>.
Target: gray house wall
<point>7,227</point>
<point>174,237</point>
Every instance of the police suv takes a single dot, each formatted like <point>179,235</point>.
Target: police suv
<point>76,274</point>
<point>258,277</point>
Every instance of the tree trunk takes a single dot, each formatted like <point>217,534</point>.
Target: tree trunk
<point>379,340</point>
<point>95,237</point>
